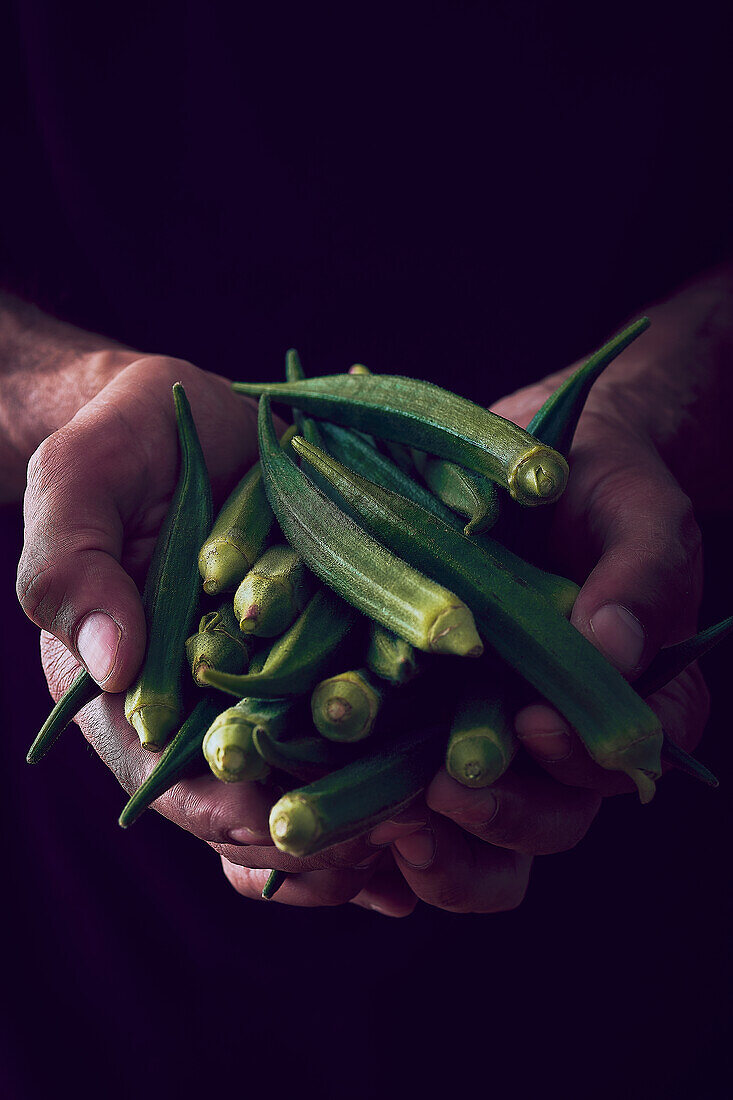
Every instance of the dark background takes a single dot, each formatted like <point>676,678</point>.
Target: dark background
<point>474,193</point>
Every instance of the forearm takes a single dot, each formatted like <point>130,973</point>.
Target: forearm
<point>48,370</point>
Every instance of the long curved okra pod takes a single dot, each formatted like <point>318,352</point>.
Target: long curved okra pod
<point>432,419</point>
<point>348,802</point>
<point>617,728</point>
<point>355,565</point>
<point>298,659</point>
<point>154,704</point>
<point>555,423</point>
<point>76,696</point>
<point>175,760</point>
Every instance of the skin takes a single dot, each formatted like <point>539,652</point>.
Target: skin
<point>634,544</point>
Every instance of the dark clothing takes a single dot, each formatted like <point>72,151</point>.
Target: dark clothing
<point>476,194</point>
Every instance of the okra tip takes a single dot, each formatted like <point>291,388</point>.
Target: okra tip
<point>294,825</point>
<point>454,631</point>
<point>222,566</point>
<point>153,722</point>
<point>539,477</point>
<point>343,709</point>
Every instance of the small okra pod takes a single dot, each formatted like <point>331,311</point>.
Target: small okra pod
<point>218,643</point>
<point>274,592</point>
<point>464,492</point>
<point>177,758</point>
<point>482,742</point>
<point>239,534</point>
<point>389,656</point>
<point>362,570</point>
<point>350,801</point>
<point>76,696</point>
<point>229,749</point>
<point>298,658</point>
<point>154,703</point>
<point>422,415</point>
<point>345,707</point>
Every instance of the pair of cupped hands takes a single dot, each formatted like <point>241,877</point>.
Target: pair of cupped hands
<point>97,491</point>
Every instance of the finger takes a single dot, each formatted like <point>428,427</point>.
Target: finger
<point>312,888</point>
<point>387,892</point>
<point>70,581</point>
<point>450,869</point>
<point>526,813</point>
<point>624,505</point>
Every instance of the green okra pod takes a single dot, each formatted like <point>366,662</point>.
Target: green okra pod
<point>218,643</point>
<point>360,569</point>
<point>555,423</point>
<point>154,703</point>
<point>345,707</point>
<point>304,425</point>
<point>305,757</point>
<point>274,881</point>
<point>482,743</point>
<point>76,696</point>
<point>389,656</point>
<point>240,532</point>
<point>617,728</point>
<point>297,659</point>
<point>175,760</point>
<point>669,662</point>
<point>273,593</point>
<point>464,492</point>
<point>228,746</point>
<point>406,410</point>
<point>350,801</point>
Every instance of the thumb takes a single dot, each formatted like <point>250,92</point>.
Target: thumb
<point>70,580</point>
<point>644,592</point>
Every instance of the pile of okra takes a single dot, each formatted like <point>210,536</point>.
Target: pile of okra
<point>349,596</point>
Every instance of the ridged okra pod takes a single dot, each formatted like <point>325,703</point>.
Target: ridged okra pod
<point>297,659</point>
<point>617,728</point>
<point>360,569</point>
<point>431,419</point>
<point>482,743</point>
<point>349,802</point>
<point>240,532</point>
<point>218,643</point>
<point>345,707</point>
<point>228,746</point>
<point>274,592</point>
<point>154,704</point>
<point>175,760</point>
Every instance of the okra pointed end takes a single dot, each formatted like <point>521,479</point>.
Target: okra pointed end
<point>454,631</point>
<point>274,881</point>
<point>222,566</point>
<point>294,825</point>
<point>153,723</point>
<point>644,784</point>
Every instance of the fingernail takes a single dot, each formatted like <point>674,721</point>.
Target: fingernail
<point>418,849</point>
<point>389,831</point>
<point>548,745</point>
<point>97,641</point>
<point>620,635</point>
<point>243,835</point>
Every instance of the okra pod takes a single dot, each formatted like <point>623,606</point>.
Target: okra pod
<point>175,760</point>
<point>389,656</point>
<point>274,592</point>
<point>304,425</point>
<point>154,704</point>
<point>345,707</point>
<point>431,419</point>
<point>218,643</point>
<point>464,492</point>
<point>228,746</point>
<point>359,568</point>
<point>349,802</point>
<point>298,659</point>
<point>669,662</point>
<point>617,728</point>
<point>76,696</point>
<point>482,742</point>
